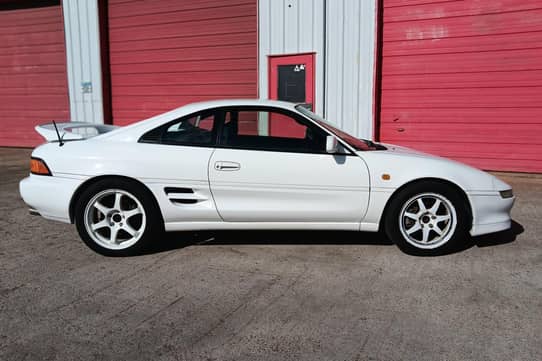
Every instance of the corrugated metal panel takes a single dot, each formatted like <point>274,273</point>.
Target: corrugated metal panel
<point>83,57</point>
<point>341,33</point>
<point>350,49</point>
<point>464,80</point>
<point>32,72</point>
<point>164,54</point>
<point>291,27</point>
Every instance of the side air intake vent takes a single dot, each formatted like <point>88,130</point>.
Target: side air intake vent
<point>169,190</point>
<point>184,201</point>
<point>181,196</point>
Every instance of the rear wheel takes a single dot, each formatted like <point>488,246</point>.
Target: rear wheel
<point>117,217</point>
<point>427,218</point>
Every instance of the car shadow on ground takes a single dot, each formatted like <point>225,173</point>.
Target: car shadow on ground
<point>178,240</point>
<point>495,239</point>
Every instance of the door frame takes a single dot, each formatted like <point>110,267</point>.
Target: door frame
<point>285,59</point>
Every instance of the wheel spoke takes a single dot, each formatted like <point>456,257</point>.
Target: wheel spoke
<point>414,228</point>
<point>425,234</point>
<point>103,209</point>
<point>102,224</point>
<point>114,233</point>
<point>442,218</point>
<point>411,216</point>
<point>421,205</point>
<point>129,229</point>
<point>437,229</point>
<point>117,201</point>
<point>435,207</point>
<point>132,212</point>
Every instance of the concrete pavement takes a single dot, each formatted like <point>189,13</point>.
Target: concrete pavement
<point>266,295</point>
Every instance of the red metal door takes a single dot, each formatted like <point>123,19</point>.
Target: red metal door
<point>33,76</point>
<point>463,79</point>
<point>167,53</point>
<point>291,78</point>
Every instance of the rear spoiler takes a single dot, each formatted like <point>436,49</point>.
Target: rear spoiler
<point>73,130</point>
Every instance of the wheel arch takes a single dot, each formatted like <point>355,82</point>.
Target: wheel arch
<point>453,185</point>
<point>89,182</point>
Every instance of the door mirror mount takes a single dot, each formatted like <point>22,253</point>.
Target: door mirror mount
<point>332,146</point>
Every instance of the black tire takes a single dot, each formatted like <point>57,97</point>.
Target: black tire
<point>150,224</point>
<point>398,222</point>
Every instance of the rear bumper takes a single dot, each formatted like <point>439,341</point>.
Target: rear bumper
<point>49,196</point>
<point>490,213</point>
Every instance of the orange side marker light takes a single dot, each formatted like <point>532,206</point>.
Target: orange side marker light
<point>38,166</point>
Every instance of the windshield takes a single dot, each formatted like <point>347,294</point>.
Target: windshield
<point>356,143</point>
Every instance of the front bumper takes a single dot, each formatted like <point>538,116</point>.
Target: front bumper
<point>49,196</point>
<point>490,212</point>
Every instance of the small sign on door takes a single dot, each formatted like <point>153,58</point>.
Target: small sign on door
<point>86,87</point>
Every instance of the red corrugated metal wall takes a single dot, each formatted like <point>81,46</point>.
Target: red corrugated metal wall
<point>463,79</point>
<point>33,79</point>
<point>164,54</point>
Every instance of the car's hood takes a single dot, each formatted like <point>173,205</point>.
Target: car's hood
<point>406,164</point>
<point>409,152</point>
<point>405,150</point>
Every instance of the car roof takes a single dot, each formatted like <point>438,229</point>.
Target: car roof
<point>135,129</point>
<point>210,104</point>
<point>240,102</point>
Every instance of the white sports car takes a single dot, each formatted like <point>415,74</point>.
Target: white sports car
<point>253,164</point>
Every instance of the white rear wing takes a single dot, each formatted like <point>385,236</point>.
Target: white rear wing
<point>73,130</point>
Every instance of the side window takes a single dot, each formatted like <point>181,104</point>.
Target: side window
<point>270,130</point>
<point>196,129</point>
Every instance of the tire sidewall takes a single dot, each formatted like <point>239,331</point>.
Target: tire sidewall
<point>392,217</point>
<point>153,226</point>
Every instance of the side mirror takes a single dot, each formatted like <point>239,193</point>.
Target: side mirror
<point>332,145</point>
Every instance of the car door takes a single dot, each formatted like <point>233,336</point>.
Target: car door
<point>260,175</point>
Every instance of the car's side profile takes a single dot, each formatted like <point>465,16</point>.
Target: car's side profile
<point>255,164</point>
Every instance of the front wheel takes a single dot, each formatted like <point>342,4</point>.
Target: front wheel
<point>427,218</point>
<point>116,217</point>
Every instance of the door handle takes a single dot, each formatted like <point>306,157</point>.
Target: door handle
<point>227,166</point>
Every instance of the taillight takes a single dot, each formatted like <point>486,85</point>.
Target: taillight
<point>38,166</point>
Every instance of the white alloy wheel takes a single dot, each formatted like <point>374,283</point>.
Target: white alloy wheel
<point>427,220</point>
<point>115,219</point>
